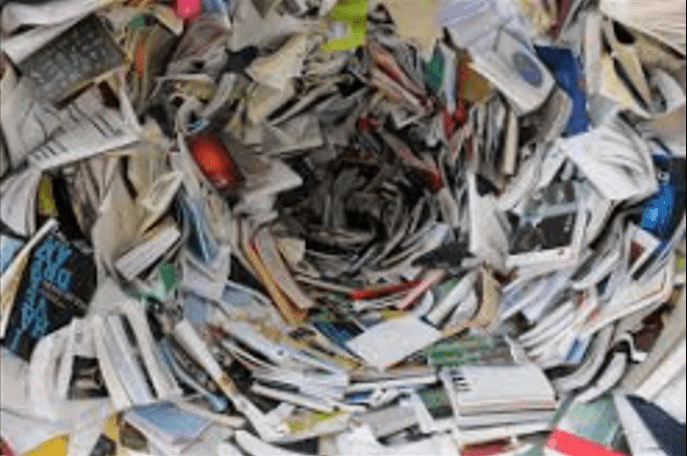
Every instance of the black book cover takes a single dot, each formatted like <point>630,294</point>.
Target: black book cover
<point>56,284</point>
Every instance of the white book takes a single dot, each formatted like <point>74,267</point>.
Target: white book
<point>65,370</point>
<point>489,389</point>
<point>467,422</point>
<point>391,341</point>
<point>639,437</point>
<point>159,196</point>
<point>549,323</point>
<point>453,298</point>
<point>313,384</point>
<point>233,421</point>
<point>487,434</point>
<point>20,188</point>
<point>590,366</point>
<point>631,298</point>
<point>168,424</point>
<point>672,397</point>
<point>42,370</point>
<point>254,446</point>
<point>516,71</point>
<point>592,50</point>
<point>161,377</point>
<point>663,373</point>
<point>598,269</point>
<point>129,369</point>
<point>114,385</point>
<point>303,400</point>
<point>659,19</point>
<point>608,379</point>
<point>196,347</point>
<point>145,254</point>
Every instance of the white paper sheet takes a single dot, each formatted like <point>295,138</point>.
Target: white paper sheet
<point>389,342</point>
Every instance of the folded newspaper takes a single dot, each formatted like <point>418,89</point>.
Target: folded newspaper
<point>333,227</point>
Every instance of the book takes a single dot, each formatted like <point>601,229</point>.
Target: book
<point>639,438</point>
<point>568,75</point>
<point>660,22</point>
<point>9,248</point>
<point>472,349</point>
<point>54,279</point>
<point>161,377</point>
<point>515,69</point>
<point>118,394</point>
<point>671,334</point>
<point>664,372</point>
<point>550,227</point>
<point>503,431</point>
<point>127,362</point>
<point>391,341</point>
<point>80,375</point>
<point>167,425</point>
<point>142,256</point>
<point>489,389</point>
<point>668,432</point>
<point>266,248</point>
<point>588,430</point>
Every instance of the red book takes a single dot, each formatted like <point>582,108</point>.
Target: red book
<point>590,429</point>
<point>381,290</point>
<point>487,449</point>
<point>5,449</point>
<point>566,443</point>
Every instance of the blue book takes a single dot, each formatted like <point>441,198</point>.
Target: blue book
<point>661,212</point>
<point>568,74</point>
<point>168,422</point>
<point>9,248</point>
<point>56,285</point>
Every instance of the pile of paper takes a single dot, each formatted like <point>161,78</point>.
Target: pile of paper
<point>342,227</point>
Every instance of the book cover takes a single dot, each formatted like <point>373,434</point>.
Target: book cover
<point>56,284</point>
<point>588,430</point>
<point>568,74</point>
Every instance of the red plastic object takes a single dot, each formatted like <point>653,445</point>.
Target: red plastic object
<point>215,162</point>
<point>187,8</point>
